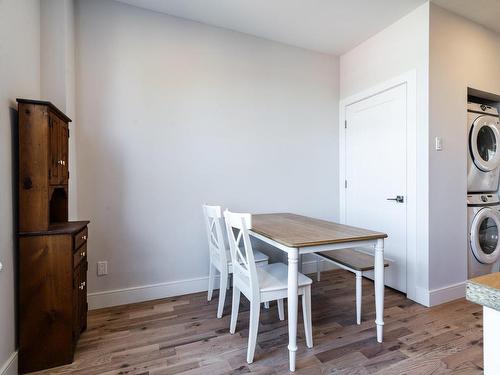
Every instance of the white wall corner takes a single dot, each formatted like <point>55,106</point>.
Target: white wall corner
<point>10,366</point>
<point>422,296</point>
<point>446,294</point>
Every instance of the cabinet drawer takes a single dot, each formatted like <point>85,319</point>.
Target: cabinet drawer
<point>79,254</point>
<point>80,238</point>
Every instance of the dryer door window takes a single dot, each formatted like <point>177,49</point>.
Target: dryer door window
<point>485,235</point>
<point>488,235</point>
<point>484,142</point>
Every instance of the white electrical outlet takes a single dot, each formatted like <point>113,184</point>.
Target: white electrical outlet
<point>102,268</point>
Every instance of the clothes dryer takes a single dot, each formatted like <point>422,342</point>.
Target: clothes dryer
<point>483,211</point>
<point>483,162</point>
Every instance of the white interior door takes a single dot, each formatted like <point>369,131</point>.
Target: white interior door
<point>375,171</point>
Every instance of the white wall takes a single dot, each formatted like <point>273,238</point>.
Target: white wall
<point>173,113</point>
<point>462,54</point>
<point>400,48</point>
<point>19,77</point>
<point>58,76</point>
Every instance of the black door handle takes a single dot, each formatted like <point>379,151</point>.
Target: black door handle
<point>399,199</point>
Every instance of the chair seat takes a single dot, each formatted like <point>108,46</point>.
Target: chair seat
<point>274,277</point>
<point>259,257</point>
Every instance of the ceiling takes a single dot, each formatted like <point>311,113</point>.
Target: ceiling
<point>484,12</point>
<point>329,26</point>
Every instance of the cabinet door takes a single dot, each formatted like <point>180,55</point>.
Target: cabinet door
<point>54,150</point>
<point>64,139</point>
<point>76,304</point>
<point>83,295</point>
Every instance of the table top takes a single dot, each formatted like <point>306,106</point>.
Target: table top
<point>485,290</point>
<point>301,231</point>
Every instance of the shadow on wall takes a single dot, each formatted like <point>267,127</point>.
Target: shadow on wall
<point>15,198</point>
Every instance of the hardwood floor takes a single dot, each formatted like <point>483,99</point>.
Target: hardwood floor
<point>183,335</point>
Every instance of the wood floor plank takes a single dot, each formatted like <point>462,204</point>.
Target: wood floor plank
<point>182,335</point>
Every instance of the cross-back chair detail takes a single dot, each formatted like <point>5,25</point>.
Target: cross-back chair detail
<point>237,226</point>
<point>216,243</point>
<point>258,285</point>
<point>220,260</point>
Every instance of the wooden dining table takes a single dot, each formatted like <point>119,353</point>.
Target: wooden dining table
<point>297,235</point>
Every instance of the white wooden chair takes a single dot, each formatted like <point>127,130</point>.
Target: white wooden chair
<point>260,284</point>
<point>220,260</point>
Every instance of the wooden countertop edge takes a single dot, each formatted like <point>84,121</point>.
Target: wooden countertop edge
<point>375,236</point>
<point>70,228</point>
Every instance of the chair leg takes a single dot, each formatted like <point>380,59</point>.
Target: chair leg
<point>318,269</point>
<point>228,281</point>
<point>234,310</point>
<point>306,312</point>
<point>211,278</point>
<point>266,305</point>
<point>253,329</point>
<point>281,309</point>
<point>222,294</point>
<point>359,295</point>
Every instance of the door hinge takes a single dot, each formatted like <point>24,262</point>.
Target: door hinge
<point>345,184</point>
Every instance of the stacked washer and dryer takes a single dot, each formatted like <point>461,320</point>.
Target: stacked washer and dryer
<point>483,204</point>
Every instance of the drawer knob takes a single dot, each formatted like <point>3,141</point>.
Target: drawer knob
<point>82,254</point>
<point>84,237</point>
<point>82,286</point>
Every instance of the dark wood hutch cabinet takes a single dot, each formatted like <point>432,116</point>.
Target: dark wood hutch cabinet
<point>52,288</point>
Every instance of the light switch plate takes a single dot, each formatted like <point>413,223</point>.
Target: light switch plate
<point>102,268</point>
<point>439,144</point>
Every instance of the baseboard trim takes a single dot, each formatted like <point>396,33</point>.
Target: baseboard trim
<point>10,366</point>
<point>115,297</point>
<point>123,296</point>
<point>446,294</point>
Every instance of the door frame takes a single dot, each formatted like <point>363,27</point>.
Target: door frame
<point>410,80</point>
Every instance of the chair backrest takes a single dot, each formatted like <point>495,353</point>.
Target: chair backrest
<point>244,269</point>
<point>216,245</point>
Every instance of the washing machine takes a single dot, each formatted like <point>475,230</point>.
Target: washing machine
<point>483,162</point>
<point>483,214</point>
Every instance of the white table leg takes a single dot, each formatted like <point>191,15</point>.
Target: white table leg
<point>379,289</point>
<point>359,295</point>
<point>293,303</point>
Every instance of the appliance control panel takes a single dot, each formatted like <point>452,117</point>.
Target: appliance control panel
<point>482,108</point>
<point>482,199</point>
